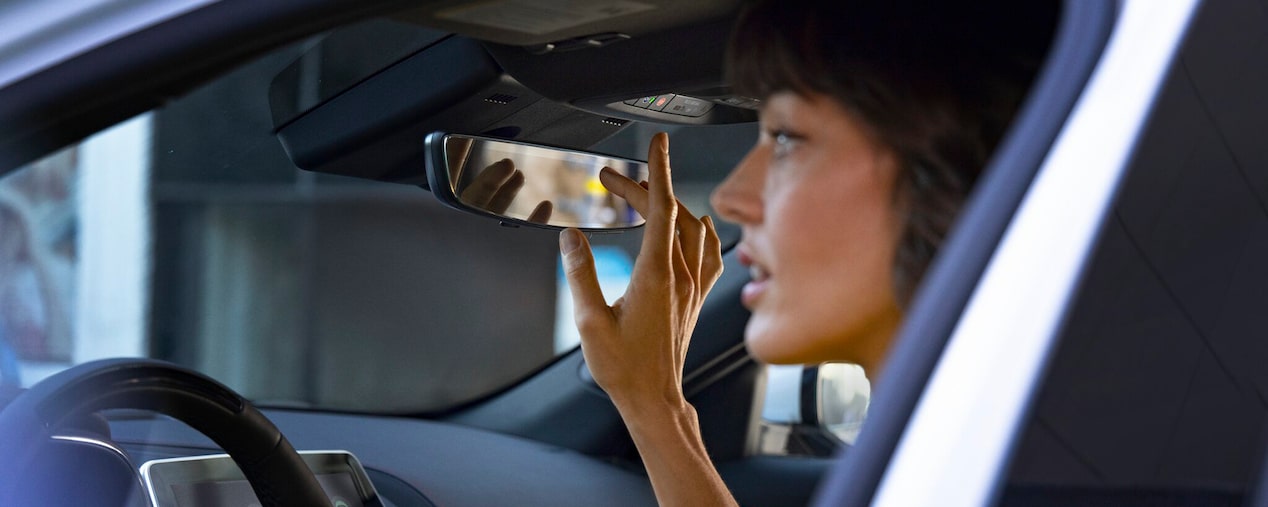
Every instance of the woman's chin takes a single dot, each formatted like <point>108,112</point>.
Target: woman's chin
<point>767,346</point>
<point>765,356</point>
<point>774,342</point>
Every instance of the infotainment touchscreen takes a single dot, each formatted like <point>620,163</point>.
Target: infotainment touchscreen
<point>216,481</point>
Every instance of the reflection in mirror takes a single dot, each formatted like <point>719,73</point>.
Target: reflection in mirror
<point>844,394</point>
<point>537,185</point>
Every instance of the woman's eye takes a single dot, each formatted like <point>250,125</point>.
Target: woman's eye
<point>784,142</point>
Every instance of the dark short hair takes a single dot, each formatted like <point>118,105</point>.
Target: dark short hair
<point>936,82</point>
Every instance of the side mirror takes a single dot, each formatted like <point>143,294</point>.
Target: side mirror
<point>842,393</point>
<point>527,184</point>
<point>812,410</point>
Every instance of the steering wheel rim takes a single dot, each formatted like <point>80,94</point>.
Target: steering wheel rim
<point>276,472</point>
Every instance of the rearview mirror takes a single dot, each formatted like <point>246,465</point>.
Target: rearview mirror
<point>527,184</point>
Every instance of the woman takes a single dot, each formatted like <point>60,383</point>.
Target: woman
<point>876,119</point>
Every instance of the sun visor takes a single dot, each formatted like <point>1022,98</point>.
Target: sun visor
<point>374,128</point>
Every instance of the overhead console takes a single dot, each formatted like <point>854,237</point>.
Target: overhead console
<point>360,101</point>
<point>701,107</point>
<point>335,120</point>
<point>674,76</point>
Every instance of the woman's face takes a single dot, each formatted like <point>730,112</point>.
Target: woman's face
<point>815,198</point>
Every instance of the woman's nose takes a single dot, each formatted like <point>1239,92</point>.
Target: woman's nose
<point>738,198</point>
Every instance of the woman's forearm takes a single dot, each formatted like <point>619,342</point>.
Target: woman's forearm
<point>669,441</point>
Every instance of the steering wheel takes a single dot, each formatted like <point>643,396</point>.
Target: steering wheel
<point>276,472</point>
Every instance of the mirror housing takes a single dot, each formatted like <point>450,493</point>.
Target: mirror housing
<point>360,117</point>
<point>529,184</point>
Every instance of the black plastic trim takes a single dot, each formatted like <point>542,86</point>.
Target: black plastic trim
<point>750,479</point>
<point>1082,34</point>
<point>808,396</point>
<point>396,491</point>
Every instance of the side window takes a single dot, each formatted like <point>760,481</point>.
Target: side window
<point>1157,393</point>
<point>39,255</point>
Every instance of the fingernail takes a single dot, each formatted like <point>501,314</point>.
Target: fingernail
<point>568,241</point>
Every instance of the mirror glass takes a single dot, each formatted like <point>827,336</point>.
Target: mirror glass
<point>844,394</point>
<point>530,184</point>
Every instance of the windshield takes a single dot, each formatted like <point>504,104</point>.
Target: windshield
<point>187,234</point>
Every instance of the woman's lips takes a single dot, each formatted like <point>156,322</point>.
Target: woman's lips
<point>756,287</point>
<point>752,293</point>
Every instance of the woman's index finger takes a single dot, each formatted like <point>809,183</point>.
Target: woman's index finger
<point>624,187</point>
<point>661,207</point>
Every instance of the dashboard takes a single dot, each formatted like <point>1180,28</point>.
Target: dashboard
<point>415,463</point>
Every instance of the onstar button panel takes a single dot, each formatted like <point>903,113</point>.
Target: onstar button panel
<point>687,106</point>
<point>661,101</point>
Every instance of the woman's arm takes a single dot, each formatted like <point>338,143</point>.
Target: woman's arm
<point>635,348</point>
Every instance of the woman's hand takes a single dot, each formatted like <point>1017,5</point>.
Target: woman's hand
<point>636,347</point>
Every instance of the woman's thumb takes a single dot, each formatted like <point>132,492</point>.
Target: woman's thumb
<point>579,270</point>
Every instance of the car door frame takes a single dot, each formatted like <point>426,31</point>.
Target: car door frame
<point>945,427</point>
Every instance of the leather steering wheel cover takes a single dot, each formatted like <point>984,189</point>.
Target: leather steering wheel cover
<point>276,472</point>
